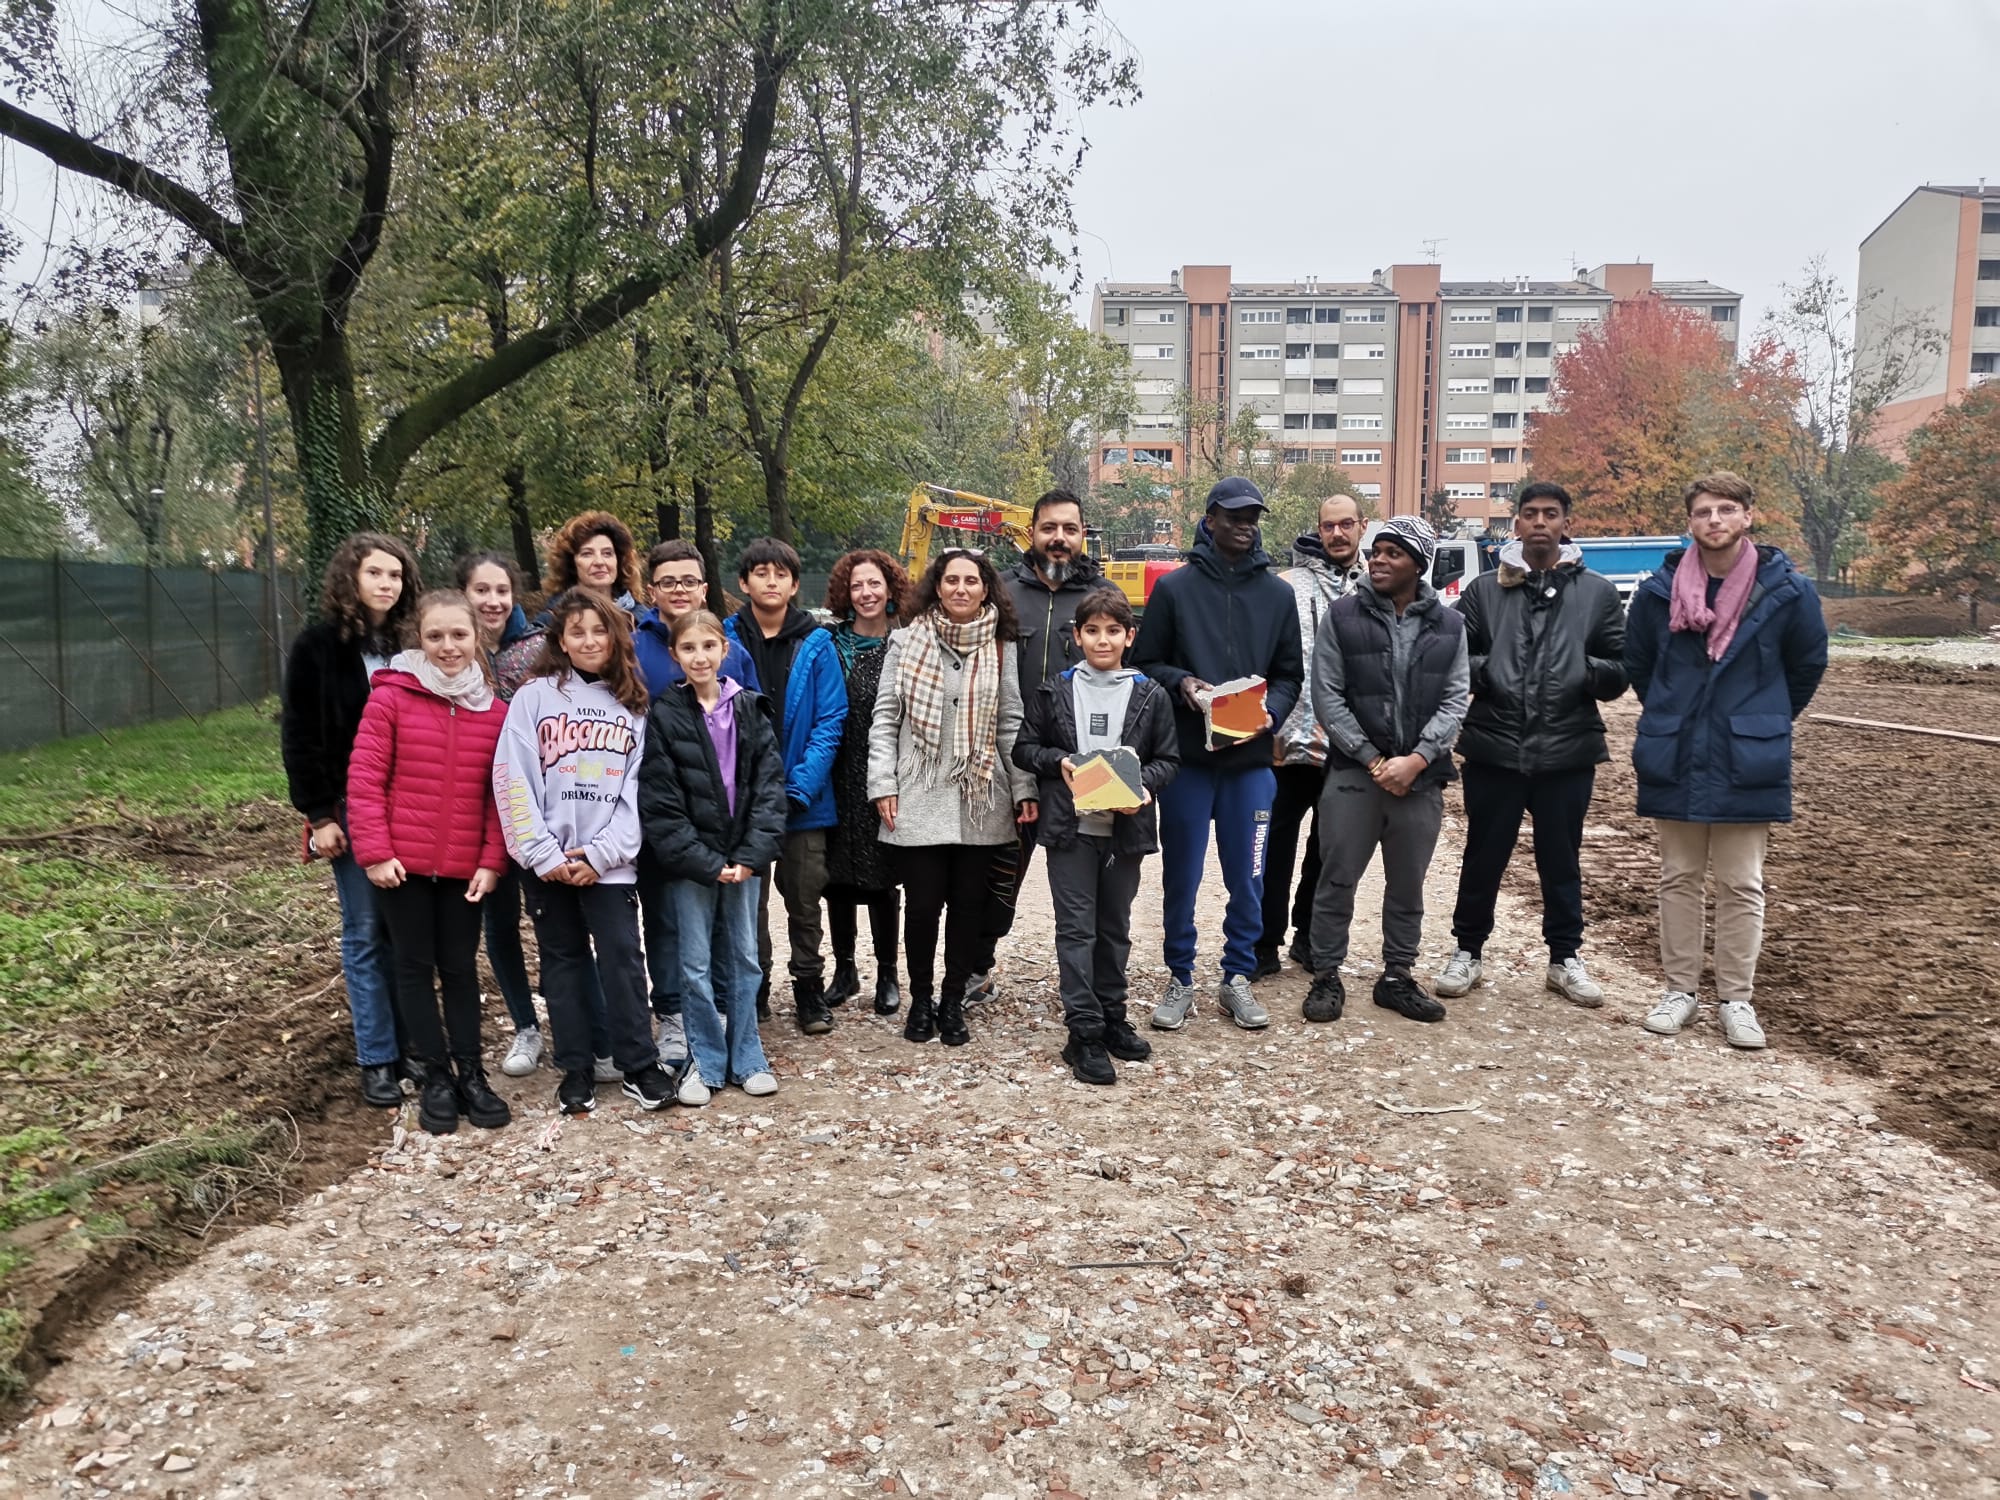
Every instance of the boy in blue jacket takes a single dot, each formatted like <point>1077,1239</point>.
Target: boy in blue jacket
<point>798,670</point>
<point>1725,646</point>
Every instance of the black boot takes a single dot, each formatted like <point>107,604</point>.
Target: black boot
<point>437,1099</point>
<point>846,983</point>
<point>814,1018</point>
<point>1267,965</point>
<point>888,998</point>
<point>951,1021</point>
<point>921,1023</point>
<point>476,1099</point>
<point>380,1085</point>
<point>1088,1061</point>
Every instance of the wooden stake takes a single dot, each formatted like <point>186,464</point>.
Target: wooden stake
<point>1945,734</point>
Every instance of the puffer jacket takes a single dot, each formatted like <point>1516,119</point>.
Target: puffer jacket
<point>420,782</point>
<point>689,827</point>
<point>1048,736</point>
<point>1545,649</point>
<point>1316,583</point>
<point>1715,738</point>
<point>937,812</point>
<point>1046,619</point>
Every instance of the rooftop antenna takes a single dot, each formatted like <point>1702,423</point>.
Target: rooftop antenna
<point>1431,249</point>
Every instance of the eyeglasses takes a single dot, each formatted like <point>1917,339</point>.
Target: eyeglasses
<point>1716,513</point>
<point>1353,525</point>
<point>678,583</point>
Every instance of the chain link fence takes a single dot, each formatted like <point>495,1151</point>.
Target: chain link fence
<point>88,647</point>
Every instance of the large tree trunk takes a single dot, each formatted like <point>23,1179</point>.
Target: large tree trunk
<point>778,500</point>
<point>340,495</point>
<point>521,522</point>
<point>659,437</point>
<point>704,507</point>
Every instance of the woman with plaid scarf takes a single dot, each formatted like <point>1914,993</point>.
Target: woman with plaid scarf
<point>941,773</point>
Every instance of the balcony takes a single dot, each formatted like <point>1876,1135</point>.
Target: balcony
<point>1298,367</point>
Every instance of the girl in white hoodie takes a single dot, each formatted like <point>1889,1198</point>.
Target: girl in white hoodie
<point>566,776</point>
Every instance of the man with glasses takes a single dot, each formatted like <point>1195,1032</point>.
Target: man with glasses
<point>678,584</point>
<point>1327,565</point>
<point>1725,646</point>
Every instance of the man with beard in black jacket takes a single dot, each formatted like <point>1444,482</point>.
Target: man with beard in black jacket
<point>1046,586</point>
<point>1224,616</point>
<point>1546,641</point>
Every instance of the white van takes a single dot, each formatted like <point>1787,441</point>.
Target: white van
<point>1458,561</point>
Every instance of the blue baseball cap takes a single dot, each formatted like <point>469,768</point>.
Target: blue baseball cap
<point>1235,494</point>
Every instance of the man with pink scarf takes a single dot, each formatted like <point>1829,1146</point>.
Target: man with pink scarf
<point>1725,646</point>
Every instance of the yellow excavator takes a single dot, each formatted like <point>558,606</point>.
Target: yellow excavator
<point>979,520</point>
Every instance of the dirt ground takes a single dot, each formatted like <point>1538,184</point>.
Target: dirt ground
<point>1531,1251</point>
<point>1901,615</point>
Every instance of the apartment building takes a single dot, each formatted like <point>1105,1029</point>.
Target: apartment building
<point>1407,381</point>
<point>1937,257</point>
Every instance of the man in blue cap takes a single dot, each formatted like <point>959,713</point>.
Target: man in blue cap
<point>1224,616</point>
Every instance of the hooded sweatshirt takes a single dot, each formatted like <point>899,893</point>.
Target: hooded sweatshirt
<point>1316,583</point>
<point>1100,699</point>
<point>772,655</point>
<point>566,776</point>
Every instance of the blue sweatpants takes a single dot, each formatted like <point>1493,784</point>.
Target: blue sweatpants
<point>1238,803</point>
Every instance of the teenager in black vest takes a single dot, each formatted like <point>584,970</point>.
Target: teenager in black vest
<point>1390,681</point>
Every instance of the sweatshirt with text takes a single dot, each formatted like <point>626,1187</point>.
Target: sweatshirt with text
<point>566,776</point>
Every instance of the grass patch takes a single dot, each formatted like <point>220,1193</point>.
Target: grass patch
<point>213,764</point>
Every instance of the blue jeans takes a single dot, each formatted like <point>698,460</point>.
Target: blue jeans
<point>663,948</point>
<point>718,939</point>
<point>364,963</point>
<point>1238,803</point>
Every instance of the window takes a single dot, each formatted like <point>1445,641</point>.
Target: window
<point>1113,455</point>
<point>1362,387</point>
<point>1155,315</point>
<point>1506,385</point>
<point>1325,455</point>
<point>1537,385</point>
<point>1325,387</point>
<point>1324,421</point>
<point>1326,315</point>
<point>1468,351</point>
<point>1367,351</point>
<point>1298,315</point>
<point>1326,351</point>
<point>1114,317</point>
<point>1260,315</point>
<point>1465,455</point>
<point>1298,351</point>
<point>1356,421</point>
<point>1466,421</point>
<point>1540,314</point>
<point>1164,457</point>
<point>1257,387</point>
<point>1154,387</point>
<point>1986,364</point>
<point>1258,351</point>
<point>1989,221</point>
<point>1152,351</point>
<point>1364,315</point>
<point>1503,490</point>
<point>1538,351</point>
<point>1989,270</point>
<point>1361,457</point>
<point>1722,312</point>
<point>1295,455</point>
<point>1508,315</point>
<point>1295,421</point>
<point>1266,424</point>
<point>1465,491</point>
<point>1469,386</point>
<point>1369,491</point>
<point>1986,317</point>
<point>1503,455</point>
<point>1506,351</point>
<point>1155,421</point>
<point>1576,314</point>
<point>1506,419</point>
<point>1470,315</point>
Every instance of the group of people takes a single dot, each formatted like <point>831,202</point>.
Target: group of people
<point>640,775</point>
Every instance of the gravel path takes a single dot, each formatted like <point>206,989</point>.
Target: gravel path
<point>1531,1251</point>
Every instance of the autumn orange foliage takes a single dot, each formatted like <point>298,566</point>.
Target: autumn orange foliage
<point>1937,529</point>
<point>1648,400</point>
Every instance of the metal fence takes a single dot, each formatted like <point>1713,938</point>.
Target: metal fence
<point>87,647</point>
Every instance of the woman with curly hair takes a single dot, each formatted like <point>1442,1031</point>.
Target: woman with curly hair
<point>366,600</point>
<point>594,550</point>
<point>941,773</point>
<point>865,594</point>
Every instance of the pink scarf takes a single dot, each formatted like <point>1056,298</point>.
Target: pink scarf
<point>1689,608</point>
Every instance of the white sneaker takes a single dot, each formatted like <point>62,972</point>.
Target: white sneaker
<point>606,1071</point>
<point>1572,981</point>
<point>757,1085</point>
<point>1458,976</point>
<point>1739,1025</point>
<point>670,1038</point>
<point>1172,1013</point>
<point>1675,1010</point>
<point>526,1053</point>
<point>692,1092</point>
<point>1234,996</point>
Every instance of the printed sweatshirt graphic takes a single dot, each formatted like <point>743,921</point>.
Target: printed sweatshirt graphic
<point>566,776</point>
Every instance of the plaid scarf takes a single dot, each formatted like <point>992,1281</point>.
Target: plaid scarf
<point>964,750</point>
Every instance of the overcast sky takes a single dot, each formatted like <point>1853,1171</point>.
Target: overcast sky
<point>1726,139</point>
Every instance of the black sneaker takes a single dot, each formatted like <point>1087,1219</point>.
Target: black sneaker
<point>1327,998</point>
<point>437,1100</point>
<point>477,1100</point>
<point>1267,964</point>
<point>846,984</point>
<point>814,1018</point>
<point>1301,953</point>
<point>1125,1044</point>
<point>650,1086</point>
<point>1406,997</point>
<point>1088,1061</point>
<point>380,1085</point>
<point>577,1093</point>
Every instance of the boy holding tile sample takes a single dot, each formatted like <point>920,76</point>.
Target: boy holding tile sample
<point>1100,739</point>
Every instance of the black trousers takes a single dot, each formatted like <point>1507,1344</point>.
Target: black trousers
<point>569,920</point>
<point>885,910</point>
<point>1495,800</point>
<point>436,935</point>
<point>1003,891</point>
<point>946,883</point>
<point>1092,891</point>
<point>1296,800</point>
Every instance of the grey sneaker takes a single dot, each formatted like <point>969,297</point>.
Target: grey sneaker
<point>1175,1006</point>
<point>1458,976</point>
<point>670,1038</point>
<point>1572,981</point>
<point>606,1071</point>
<point>1234,996</point>
<point>980,988</point>
<point>1739,1025</point>
<point>1675,1010</point>
<point>526,1053</point>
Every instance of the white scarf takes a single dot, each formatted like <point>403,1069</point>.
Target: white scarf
<point>467,686</point>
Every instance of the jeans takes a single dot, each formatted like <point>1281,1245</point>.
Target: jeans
<point>1092,891</point>
<point>1495,800</point>
<point>436,933</point>
<point>718,930</point>
<point>663,949</point>
<point>885,913</point>
<point>947,882</point>
<point>1735,851</point>
<point>1295,800</point>
<point>569,921</point>
<point>364,963</point>
<point>1355,818</point>
<point>1238,803</point>
<point>500,915</point>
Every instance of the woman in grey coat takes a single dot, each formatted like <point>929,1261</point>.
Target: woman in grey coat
<point>941,773</point>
